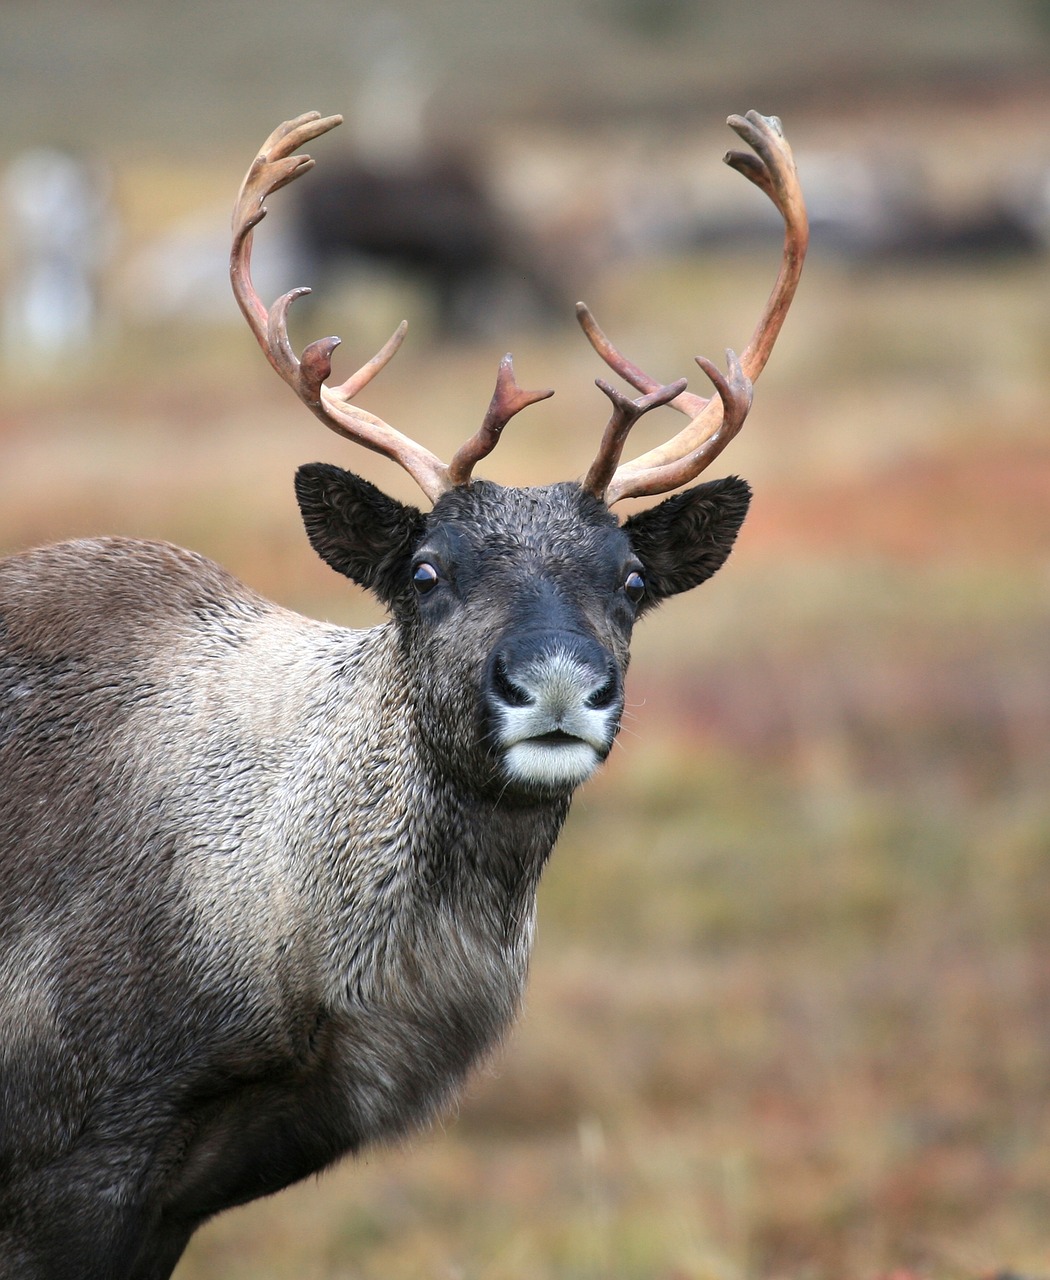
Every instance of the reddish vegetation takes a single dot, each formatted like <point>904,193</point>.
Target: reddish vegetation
<point>989,504</point>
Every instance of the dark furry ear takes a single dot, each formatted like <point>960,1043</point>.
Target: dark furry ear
<point>687,538</point>
<point>357,529</point>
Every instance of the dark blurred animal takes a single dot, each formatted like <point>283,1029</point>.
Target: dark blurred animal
<point>992,232</point>
<point>434,218</point>
<point>268,884</point>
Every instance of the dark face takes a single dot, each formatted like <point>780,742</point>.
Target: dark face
<point>516,608</point>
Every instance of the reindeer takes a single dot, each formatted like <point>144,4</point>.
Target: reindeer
<point>269,884</point>
<point>434,218</point>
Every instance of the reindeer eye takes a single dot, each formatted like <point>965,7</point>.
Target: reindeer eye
<point>424,578</point>
<point>634,587</point>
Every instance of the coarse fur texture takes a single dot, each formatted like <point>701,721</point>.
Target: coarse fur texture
<point>267,885</point>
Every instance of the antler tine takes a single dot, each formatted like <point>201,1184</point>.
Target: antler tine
<point>773,170</point>
<point>625,414</point>
<point>274,167</point>
<point>733,404</point>
<point>715,421</point>
<point>630,372</point>
<point>507,400</point>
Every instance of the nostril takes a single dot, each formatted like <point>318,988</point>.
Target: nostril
<point>605,695</point>
<point>513,695</point>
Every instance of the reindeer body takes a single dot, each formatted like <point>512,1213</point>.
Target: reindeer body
<point>267,886</point>
<point>310,926</point>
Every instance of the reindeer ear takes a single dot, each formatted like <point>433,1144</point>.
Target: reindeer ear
<point>357,529</point>
<point>685,539</point>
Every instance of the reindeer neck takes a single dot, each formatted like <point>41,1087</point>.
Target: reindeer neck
<point>416,849</point>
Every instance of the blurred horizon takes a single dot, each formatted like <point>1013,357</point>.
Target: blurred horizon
<point>116,76</point>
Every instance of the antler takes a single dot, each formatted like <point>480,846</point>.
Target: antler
<point>507,400</point>
<point>715,421</point>
<point>274,167</point>
<point>625,414</point>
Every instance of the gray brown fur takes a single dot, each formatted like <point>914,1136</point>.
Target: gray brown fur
<point>266,890</point>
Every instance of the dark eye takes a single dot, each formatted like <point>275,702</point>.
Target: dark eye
<point>634,587</point>
<point>424,578</point>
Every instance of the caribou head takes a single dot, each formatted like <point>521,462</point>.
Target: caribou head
<point>546,582</point>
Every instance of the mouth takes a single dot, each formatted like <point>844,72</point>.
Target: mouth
<point>557,738</point>
<point>555,760</point>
